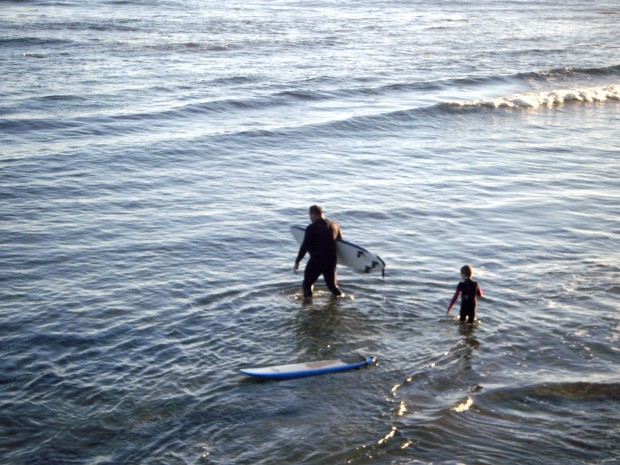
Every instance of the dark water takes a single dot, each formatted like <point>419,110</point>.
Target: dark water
<point>154,154</point>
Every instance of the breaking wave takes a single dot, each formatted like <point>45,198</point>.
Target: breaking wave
<point>545,99</point>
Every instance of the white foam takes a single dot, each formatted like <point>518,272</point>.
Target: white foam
<point>548,99</point>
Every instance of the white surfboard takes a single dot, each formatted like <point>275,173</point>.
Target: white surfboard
<point>349,254</point>
<point>298,370</point>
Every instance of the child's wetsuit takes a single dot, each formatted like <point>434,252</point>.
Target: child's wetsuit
<point>470,291</point>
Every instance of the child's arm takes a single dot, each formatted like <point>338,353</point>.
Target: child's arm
<point>479,291</point>
<point>456,296</point>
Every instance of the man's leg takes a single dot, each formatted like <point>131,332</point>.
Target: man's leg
<point>311,274</point>
<point>329,274</point>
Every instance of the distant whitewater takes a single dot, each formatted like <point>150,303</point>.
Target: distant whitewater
<point>547,99</point>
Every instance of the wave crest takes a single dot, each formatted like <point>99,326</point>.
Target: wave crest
<point>545,99</point>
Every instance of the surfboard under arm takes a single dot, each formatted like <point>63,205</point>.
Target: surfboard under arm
<point>349,254</point>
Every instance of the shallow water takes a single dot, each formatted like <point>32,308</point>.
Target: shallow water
<point>154,156</point>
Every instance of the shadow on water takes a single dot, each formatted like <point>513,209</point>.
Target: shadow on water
<point>470,344</point>
<point>318,326</point>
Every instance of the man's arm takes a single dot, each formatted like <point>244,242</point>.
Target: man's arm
<point>303,249</point>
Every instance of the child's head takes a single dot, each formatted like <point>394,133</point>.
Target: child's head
<point>467,271</point>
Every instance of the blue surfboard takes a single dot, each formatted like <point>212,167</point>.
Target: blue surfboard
<point>298,370</point>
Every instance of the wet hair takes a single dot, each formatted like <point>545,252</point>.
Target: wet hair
<point>467,271</point>
<point>316,210</point>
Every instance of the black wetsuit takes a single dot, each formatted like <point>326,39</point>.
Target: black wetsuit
<point>320,241</point>
<point>469,299</point>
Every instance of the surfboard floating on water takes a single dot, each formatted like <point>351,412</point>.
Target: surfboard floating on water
<point>349,254</point>
<point>298,370</point>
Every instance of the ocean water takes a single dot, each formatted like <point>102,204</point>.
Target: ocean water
<point>153,155</point>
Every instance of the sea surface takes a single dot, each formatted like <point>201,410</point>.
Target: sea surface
<point>153,155</point>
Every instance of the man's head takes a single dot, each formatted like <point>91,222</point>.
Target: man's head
<point>315,212</point>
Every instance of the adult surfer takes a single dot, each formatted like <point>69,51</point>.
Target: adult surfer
<point>320,241</point>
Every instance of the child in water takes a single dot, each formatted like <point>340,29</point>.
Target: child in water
<point>470,292</point>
